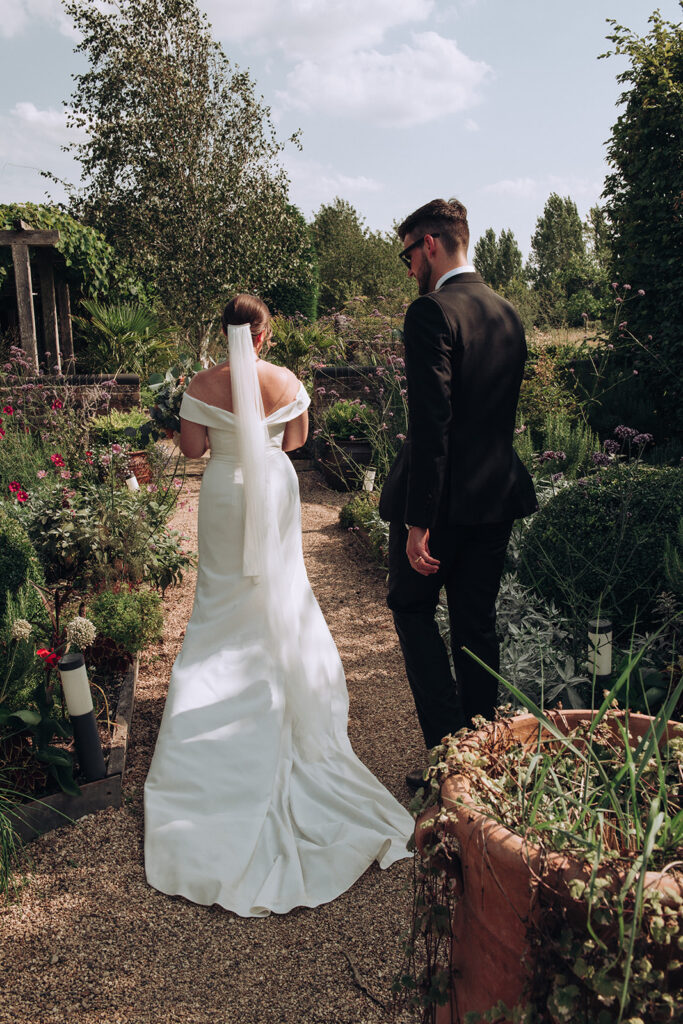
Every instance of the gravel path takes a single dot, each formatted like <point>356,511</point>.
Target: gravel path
<point>86,940</point>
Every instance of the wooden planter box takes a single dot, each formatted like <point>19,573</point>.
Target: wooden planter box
<point>39,816</point>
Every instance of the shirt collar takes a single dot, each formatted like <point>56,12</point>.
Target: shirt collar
<point>468,269</point>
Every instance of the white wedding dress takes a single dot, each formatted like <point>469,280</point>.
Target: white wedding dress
<point>255,799</point>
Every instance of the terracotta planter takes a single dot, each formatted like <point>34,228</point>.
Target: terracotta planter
<point>139,464</point>
<point>497,880</point>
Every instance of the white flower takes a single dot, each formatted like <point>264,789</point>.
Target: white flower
<point>21,629</point>
<point>81,632</point>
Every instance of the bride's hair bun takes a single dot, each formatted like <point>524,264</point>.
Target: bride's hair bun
<point>247,309</point>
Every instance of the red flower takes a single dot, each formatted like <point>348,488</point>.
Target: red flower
<point>8,409</point>
<point>88,458</point>
<point>14,486</point>
<point>49,657</point>
<point>56,404</point>
<point>57,460</point>
<point>2,432</point>
<point>22,496</point>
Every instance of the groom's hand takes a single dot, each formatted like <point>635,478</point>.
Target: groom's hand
<point>417,550</point>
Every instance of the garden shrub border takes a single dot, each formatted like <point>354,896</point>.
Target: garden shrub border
<point>37,817</point>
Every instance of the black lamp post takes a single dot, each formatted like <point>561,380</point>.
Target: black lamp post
<point>76,689</point>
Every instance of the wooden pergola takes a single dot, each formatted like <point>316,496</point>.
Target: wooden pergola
<point>54,295</point>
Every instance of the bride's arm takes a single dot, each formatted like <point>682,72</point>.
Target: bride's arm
<point>296,433</point>
<point>194,439</point>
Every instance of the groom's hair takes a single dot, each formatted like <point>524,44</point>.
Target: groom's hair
<point>448,219</point>
<point>247,309</point>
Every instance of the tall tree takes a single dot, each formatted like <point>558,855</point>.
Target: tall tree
<point>644,201</point>
<point>558,259</point>
<point>353,260</point>
<point>179,161</point>
<point>498,260</point>
<point>558,237</point>
<point>486,257</point>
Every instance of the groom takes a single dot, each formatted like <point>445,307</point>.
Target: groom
<point>457,484</point>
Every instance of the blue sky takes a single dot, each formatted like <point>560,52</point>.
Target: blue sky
<point>499,102</point>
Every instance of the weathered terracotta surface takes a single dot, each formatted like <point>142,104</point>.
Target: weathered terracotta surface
<point>491,919</point>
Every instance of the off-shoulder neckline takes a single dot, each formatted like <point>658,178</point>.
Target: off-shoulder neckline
<point>227,412</point>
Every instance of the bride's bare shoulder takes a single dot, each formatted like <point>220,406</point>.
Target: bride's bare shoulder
<point>279,385</point>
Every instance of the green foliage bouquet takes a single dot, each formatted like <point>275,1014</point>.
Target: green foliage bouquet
<point>168,390</point>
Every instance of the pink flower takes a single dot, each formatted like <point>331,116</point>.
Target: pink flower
<point>8,409</point>
<point>635,373</point>
<point>65,474</point>
<point>41,474</point>
<point>641,291</point>
<point>117,449</point>
<point>56,405</point>
<point>177,482</point>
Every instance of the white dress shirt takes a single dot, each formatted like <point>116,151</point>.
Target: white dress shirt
<point>467,269</point>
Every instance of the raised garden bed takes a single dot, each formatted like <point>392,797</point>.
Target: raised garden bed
<point>36,817</point>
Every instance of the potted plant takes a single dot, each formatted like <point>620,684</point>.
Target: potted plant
<point>346,430</point>
<point>550,871</point>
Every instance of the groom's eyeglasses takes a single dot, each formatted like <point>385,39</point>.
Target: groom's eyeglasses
<point>405,255</point>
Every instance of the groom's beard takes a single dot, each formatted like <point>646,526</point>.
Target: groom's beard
<point>423,276</point>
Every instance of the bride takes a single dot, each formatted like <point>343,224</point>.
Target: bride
<point>255,799</point>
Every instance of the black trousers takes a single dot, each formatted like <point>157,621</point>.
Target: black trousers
<point>472,559</point>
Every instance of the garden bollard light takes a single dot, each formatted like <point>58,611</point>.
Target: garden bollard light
<point>369,479</point>
<point>76,690</point>
<point>132,483</point>
<point>600,648</point>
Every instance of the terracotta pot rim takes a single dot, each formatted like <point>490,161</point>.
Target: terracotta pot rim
<point>455,797</point>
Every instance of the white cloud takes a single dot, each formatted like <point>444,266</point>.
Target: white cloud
<point>471,125</point>
<point>423,81</point>
<point>32,141</point>
<point>18,15</point>
<point>540,188</point>
<point>301,28</point>
<point>520,188</point>
<point>313,183</point>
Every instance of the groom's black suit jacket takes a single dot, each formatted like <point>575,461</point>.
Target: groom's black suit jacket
<point>465,352</point>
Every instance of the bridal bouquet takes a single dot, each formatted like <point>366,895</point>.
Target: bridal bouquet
<point>168,390</point>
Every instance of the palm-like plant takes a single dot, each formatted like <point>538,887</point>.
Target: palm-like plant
<point>123,338</point>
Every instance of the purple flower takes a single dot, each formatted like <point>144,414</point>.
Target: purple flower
<point>641,291</point>
<point>551,456</point>
<point>615,284</point>
<point>627,287</point>
<point>556,476</point>
<point>625,433</point>
<point>400,437</point>
<point>643,439</point>
<point>600,459</point>
<point>612,447</point>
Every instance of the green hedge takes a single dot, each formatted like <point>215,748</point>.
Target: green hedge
<point>601,543</point>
